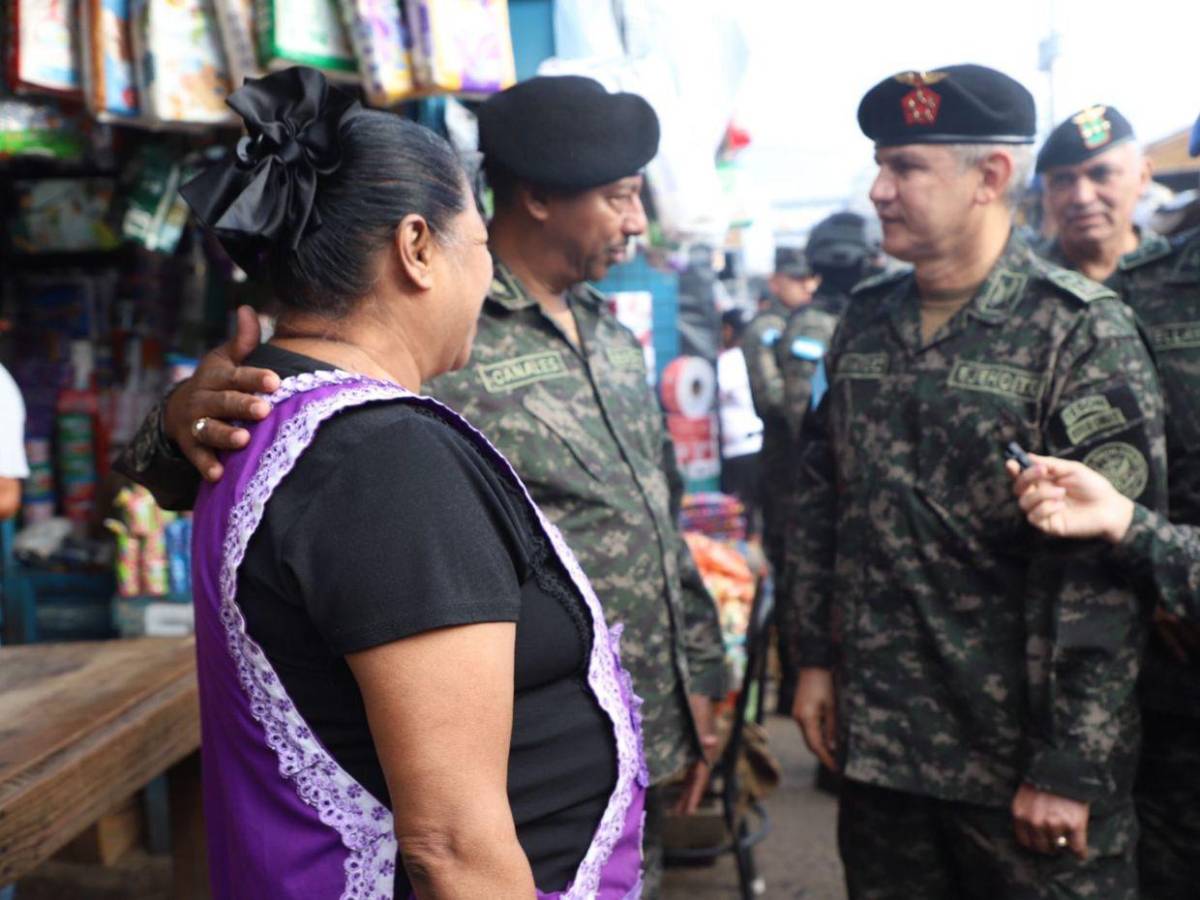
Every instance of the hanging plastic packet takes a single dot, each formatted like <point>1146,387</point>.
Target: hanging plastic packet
<point>304,33</point>
<point>155,214</point>
<point>110,80</point>
<point>235,19</point>
<point>181,72</point>
<point>380,36</point>
<point>462,46</point>
<point>40,129</point>
<point>44,52</point>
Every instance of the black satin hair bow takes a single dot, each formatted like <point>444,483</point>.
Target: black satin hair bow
<point>264,194</point>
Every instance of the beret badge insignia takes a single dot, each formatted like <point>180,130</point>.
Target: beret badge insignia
<point>920,105</point>
<point>1094,128</point>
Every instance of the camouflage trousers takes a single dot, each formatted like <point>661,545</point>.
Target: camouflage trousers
<point>1168,807</point>
<point>898,846</point>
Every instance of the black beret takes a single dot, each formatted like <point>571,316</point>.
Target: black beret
<point>954,105</point>
<point>839,240</point>
<point>792,261</point>
<point>567,132</point>
<point>1088,133</point>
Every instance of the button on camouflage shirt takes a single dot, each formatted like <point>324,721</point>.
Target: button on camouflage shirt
<point>970,653</point>
<point>583,430</point>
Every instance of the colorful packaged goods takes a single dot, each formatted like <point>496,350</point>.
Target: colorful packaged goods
<point>110,80</point>
<point>181,72</point>
<point>40,129</point>
<point>62,215</point>
<point>381,42</point>
<point>235,19</point>
<point>44,53</point>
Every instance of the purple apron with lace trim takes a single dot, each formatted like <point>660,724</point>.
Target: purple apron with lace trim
<point>284,820</point>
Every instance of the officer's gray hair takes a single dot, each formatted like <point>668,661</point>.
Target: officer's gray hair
<point>972,155</point>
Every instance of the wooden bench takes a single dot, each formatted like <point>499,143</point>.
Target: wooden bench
<point>85,725</point>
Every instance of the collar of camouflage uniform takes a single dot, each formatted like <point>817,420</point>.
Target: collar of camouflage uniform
<point>996,298</point>
<point>507,291</point>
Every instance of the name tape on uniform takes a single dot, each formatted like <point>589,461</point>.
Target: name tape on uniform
<point>991,378</point>
<point>521,371</point>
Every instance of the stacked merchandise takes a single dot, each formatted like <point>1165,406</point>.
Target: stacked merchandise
<point>717,515</point>
<point>689,391</point>
<point>153,567</point>
<point>170,64</point>
<point>728,577</point>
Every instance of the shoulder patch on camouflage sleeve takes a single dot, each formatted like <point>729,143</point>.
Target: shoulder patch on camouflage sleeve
<point>1092,416</point>
<point>1154,247</point>
<point>1078,286</point>
<point>867,285</point>
<point>770,337</point>
<point>806,348</point>
<point>1122,464</point>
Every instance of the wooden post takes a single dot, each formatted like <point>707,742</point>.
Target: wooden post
<point>189,847</point>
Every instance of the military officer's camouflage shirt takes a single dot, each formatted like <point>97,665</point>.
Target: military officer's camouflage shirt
<point>583,430</point>
<point>970,653</point>
<point>1160,281</point>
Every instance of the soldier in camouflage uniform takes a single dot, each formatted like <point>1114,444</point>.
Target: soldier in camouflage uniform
<point>974,683</point>
<point>792,286</point>
<point>560,388</point>
<point>836,251</point>
<point>1094,175</point>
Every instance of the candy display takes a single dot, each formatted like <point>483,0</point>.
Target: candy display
<point>143,564</point>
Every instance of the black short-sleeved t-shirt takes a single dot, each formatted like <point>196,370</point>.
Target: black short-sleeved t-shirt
<point>392,523</point>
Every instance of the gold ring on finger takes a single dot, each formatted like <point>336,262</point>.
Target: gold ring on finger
<point>199,425</point>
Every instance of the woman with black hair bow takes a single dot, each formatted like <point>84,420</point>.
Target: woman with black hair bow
<point>406,683</point>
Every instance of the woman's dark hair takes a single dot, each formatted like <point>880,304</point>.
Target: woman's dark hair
<point>390,168</point>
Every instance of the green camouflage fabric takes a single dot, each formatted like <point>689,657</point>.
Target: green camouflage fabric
<point>970,653</point>
<point>800,351</point>
<point>895,846</point>
<point>583,429</point>
<point>1168,807</point>
<point>1160,281</point>
<point>760,343</point>
<point>1150,246</point>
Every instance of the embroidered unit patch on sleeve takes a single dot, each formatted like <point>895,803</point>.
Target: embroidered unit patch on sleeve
<point>1122,464</point>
